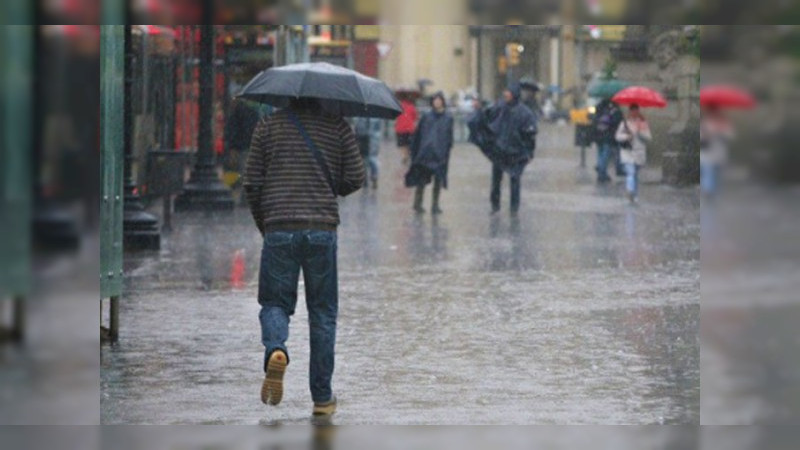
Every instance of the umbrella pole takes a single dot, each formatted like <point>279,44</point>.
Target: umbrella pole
<point>205,191</point>
<point>583,156</point>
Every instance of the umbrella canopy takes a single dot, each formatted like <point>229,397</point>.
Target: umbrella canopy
<point>340,90</point>
<point>529,83</point>
<point>726,96</point>
<point>640,95</point>
<point>406,92</point>
<point>607,88</point>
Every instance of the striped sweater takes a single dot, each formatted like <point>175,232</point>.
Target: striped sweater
<point>284,185</point>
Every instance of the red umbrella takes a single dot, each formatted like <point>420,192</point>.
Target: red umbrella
<point>725,96</point>
<point>639,95</point>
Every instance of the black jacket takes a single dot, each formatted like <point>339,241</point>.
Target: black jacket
<point>606,121</point>
<point>430,149</point>
<point>514,127</point>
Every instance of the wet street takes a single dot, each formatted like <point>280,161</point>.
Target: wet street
<point>581,310</point>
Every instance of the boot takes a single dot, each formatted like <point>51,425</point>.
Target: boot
<point>272,387</point>
<point>437,189</point>
<point>418,200</point>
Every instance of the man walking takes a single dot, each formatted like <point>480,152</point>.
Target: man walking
<point>605,124</point>
<point>368,136</point>
<point>300,160</point>
<point>514,126</point>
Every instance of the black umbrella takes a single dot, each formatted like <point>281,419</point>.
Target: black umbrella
<point>340,91</point>
<point>529,83</point>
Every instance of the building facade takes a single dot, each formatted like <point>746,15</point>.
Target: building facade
<point>442,54</point>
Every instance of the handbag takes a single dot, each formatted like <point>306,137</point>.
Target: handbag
<point>627,145</point>
<point>314,151</point>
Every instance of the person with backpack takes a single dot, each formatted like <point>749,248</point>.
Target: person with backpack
<point>633,135</point>
<point>301,160</point>
<point>368,135</point>
<point>605,124</point>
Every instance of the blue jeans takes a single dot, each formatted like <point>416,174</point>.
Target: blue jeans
<point>282,257</point>
<point>372,164</point>
<point>709,178</point>
<point>604,154</point>
<point>632,178</point>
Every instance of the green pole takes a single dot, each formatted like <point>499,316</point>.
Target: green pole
<point>112,98</point>
<point>16,62</point>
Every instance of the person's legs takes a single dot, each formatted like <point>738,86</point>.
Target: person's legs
<point>437,190</point>
<point>516,186</point>
<point>322,300</point>
<point>603,154</point>
<point>632,180</point>
<point>367,165</point>
<point>708,178</point>
<point>497,181</point>
<point>374,169</point>
<point>418,194</point>
<point>619,167</point>
<point>404,142</point>
<point>277,290</point>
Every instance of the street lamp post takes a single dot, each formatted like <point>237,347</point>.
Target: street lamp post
<point>205,191</point>
<point>139,228</point>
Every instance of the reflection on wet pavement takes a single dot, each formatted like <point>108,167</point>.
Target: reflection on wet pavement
<point>580,310</point>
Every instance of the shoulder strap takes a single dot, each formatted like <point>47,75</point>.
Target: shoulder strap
<point>314,151</point>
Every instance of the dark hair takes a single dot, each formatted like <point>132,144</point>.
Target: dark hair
<point>634,106</point>
<point>440,95</point>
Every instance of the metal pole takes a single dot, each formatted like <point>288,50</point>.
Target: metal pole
<point>140,228</point>
<point>113,324</point>
<point>18,330</point>
<point>479,64</point>
<point>112,104</point>
<point>583,156</point>
<point>204,191</point>
<point>205,156</point>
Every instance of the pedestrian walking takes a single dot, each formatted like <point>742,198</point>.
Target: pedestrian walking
<point>404,128</point>
<point>368,135</point>
<point>430,153</point>
<point>514,127</point>
<point>607,118</point>
<point>716,133</point>
<point>633,136</point>
<point>301,159</point>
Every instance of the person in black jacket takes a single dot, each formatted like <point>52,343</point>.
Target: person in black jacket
<point>514,127</point>
<point>430,153</point>
<point>605,124</point>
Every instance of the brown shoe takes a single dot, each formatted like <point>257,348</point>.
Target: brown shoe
<point>272,388</point>
<point>325,409</point>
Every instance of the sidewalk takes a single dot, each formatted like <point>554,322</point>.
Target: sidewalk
<point>584,310</point>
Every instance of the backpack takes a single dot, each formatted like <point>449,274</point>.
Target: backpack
<point>604,123</point>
